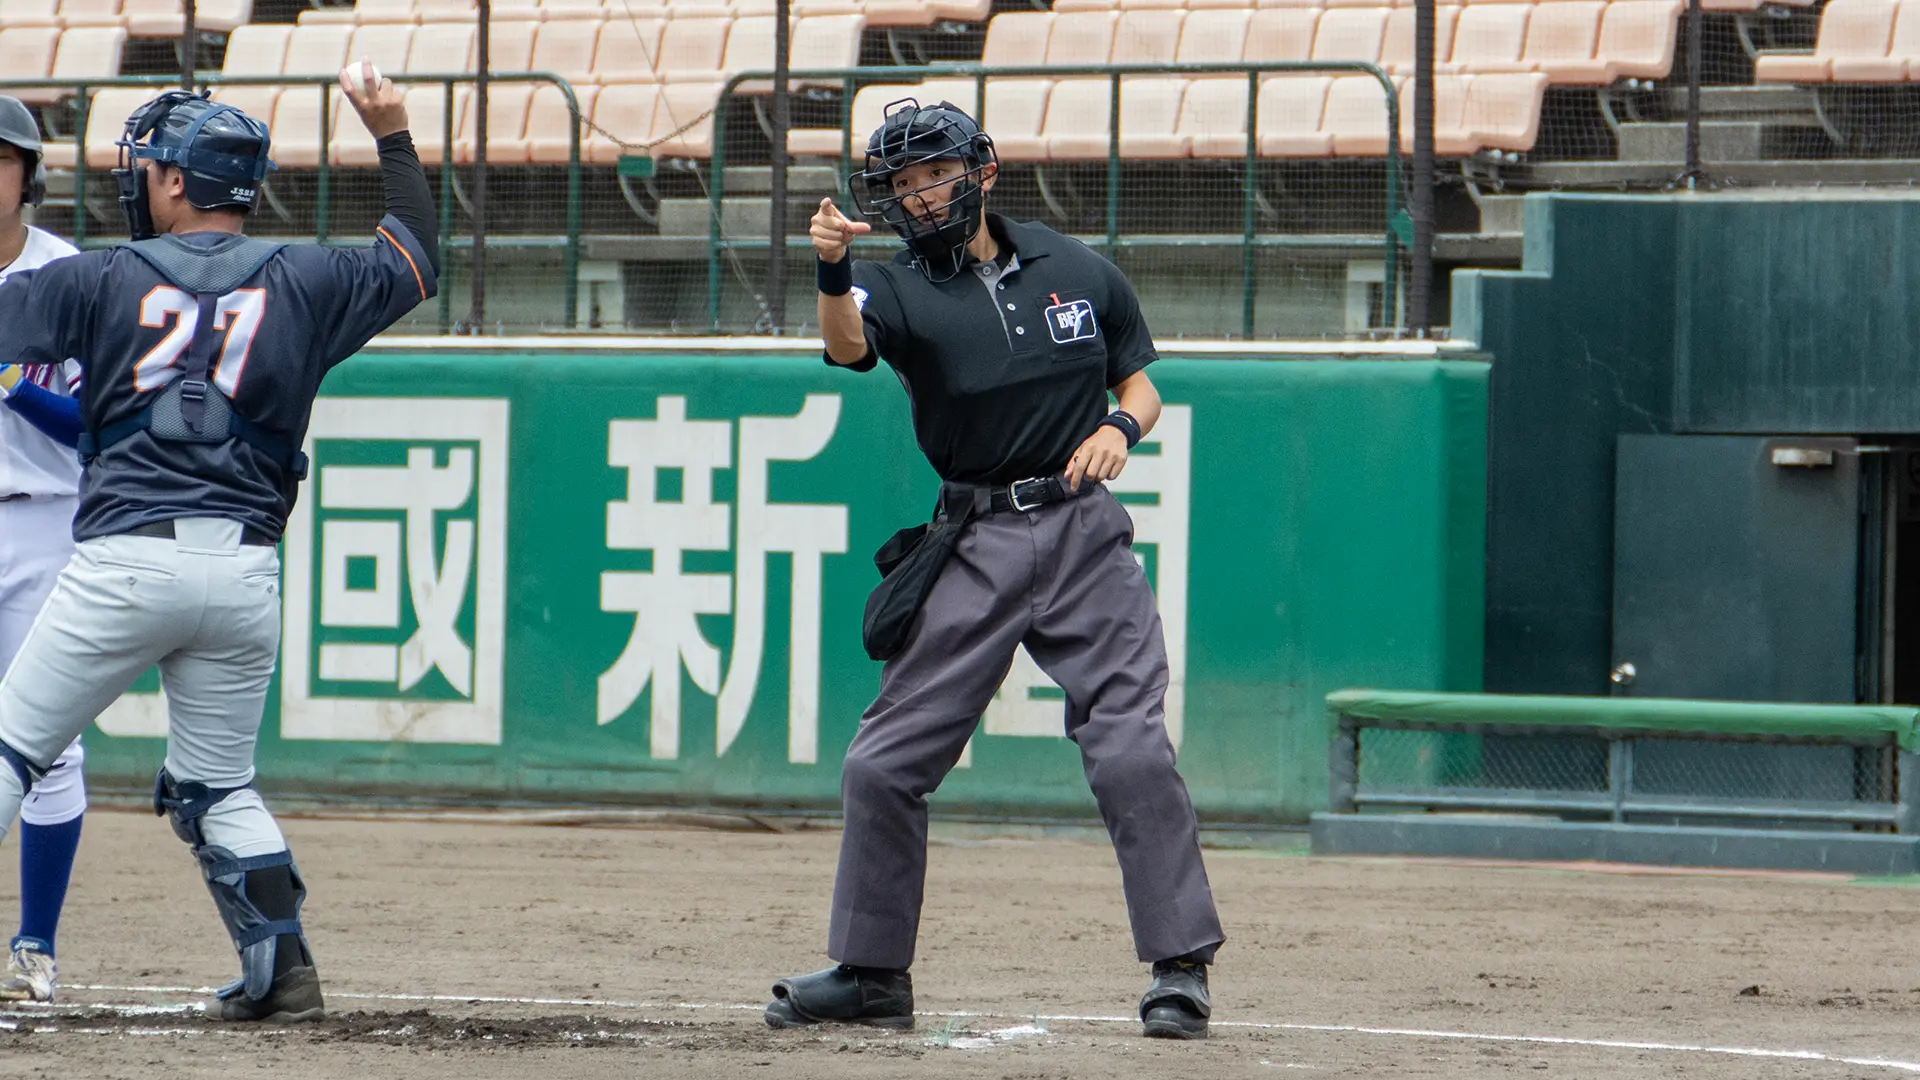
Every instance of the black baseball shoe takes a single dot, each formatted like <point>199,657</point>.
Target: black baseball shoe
<point>294,997</point>
<point>843,995</point>
<point>1176,1005</point>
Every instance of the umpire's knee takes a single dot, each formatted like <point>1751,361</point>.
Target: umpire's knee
<point>864,777</point>
<point>1134,766</point>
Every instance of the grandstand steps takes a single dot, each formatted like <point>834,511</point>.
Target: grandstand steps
<point>1739,140</point>
<point>745,218</point>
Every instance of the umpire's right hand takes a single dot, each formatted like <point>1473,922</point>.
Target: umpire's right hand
<point>832,232</point>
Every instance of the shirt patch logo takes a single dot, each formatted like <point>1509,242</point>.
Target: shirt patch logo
<point>1071,321</point>
<point>859,298</point>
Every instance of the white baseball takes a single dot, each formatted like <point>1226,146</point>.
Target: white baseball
<point>369,76</point>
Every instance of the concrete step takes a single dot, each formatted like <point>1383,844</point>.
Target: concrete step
<point>1500,215</point>
<point>1719,141</point>
<point>740,218</point>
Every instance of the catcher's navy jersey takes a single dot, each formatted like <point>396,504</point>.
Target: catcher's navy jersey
<point>307,309</point>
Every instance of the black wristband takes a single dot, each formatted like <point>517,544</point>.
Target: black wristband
<point>1123,421</point>
<point>836,278</point>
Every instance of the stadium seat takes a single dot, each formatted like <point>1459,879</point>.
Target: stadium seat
<point>690,105</point>
<point>691,49</point>
<point>1903,54</point>
<point>29,14</point>
<point>257,102</point>
<point>365,11</point>
<point>1081,38</point>
<point>1150,36</point>
<point>823,43</point>
<point>87,53</point>
<point>107,113</point>
<point>1503,111</point>
<point>1285,4</point>
<point>1075,125</point>
<point>296,127</point>
<point>1281,34</point>
<point>1213,117</point>
<point>869,111</point>
<point>26,52</point>
<point>1213,37</point>
<point>1356,117</point>
<point>1565,31</point>
<point>1014,111</point>
<point>90,13</point>
<point>889,13</point>
<point>1493,34</point>
<point>167,18</point>
<point>427,114</point>
<point>510,46</point>
<point>549,120</point>
<point>1397,45</point>
<point>749,47</point>
<point>1017,39</point>
<point>1065,6</point>
<point>1349,34</point>
<point>563,10</point>
<point>507,105</point>
<point>964,11</point>
<point>1850,30</point>
<point>626,112</point>
<point>350,144</point>
<point>566,49</point>
<point>257,49</point>
<point>699,9</point>
<point>1451,137</point>
<point>1291,120</point>
<point>386,44</point>
<point>437,11</point>
<point>442,47</point>
<point>1637,40</point>
<point>628,51</point>
<point>317,49</point>
<point>1149,124</point>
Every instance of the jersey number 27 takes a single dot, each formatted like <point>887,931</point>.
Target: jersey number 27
<point>238,313</point>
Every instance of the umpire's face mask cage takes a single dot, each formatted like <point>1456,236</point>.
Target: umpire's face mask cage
<point>937,219</point>
<point>220,151</point>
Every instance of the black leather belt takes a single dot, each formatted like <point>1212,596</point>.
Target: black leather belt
<point>1021,495</point>
<point>249,536</point>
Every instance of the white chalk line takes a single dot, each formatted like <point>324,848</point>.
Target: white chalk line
<point>1255,1025</point>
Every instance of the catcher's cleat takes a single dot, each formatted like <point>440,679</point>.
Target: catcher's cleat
<point>1176,1005</point>
<point>843,995</point>
<point>293,998</point>
<point>31,975</point>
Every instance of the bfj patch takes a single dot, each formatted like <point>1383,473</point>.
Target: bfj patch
<point>1071,321</point>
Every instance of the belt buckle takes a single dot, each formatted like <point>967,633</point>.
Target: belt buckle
<point>1013,493</point>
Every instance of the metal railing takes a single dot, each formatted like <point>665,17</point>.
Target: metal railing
<point>325,86</point>
<point>1249,240</point>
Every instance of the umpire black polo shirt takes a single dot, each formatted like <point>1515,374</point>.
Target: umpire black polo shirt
<point>1007,364</point>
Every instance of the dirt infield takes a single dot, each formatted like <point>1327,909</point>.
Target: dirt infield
<point>652,950</point>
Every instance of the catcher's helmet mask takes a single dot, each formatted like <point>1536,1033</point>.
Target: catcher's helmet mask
<point>21,131</point>
<point>220,151</point>
<point>913,134</point>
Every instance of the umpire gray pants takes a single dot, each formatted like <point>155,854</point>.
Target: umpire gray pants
<point>203,607</point>
<point>1062,580</point>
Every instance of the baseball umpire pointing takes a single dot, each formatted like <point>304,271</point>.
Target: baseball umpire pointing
<point>202,350</point>
<point>1008,338</point>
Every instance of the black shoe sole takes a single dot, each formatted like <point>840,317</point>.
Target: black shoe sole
<point>282,1017</point>
<point>781,1015</point>
<point>1174,1029</point>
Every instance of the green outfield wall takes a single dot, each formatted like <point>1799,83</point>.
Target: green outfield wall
<point>637,577</point>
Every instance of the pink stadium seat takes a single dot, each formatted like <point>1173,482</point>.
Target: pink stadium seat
<point>691,49</point>
<point>869,110</point>
<point>699,9</point>
<point>629,51</point>
<point>1562,32</point>
<point>1081,38</point>
<point>682,105</point>
<point>257,49</point>
<point>510,46</point>
<point>1451,137</point>
<point>1014,111</point>
<point>442,47</point>
<point>431,11</point>
<point>352,145</point>
<point>749,47</point>
<point>1075,125</point>
<point>823,43</point>
<point>1288,4</point>
<point>90,13</point>
<point>562,10</point>
<point>427,112</point>
<point>1637,39</point>
<point>107,113</point>
<point>365,11</point>
<point>1396,48</point>
<point>1150,119</point>
<point>1503,111</point>
<point>296,127</point>
<point>1492,34</point>
<point>317,49</point>
<point>167,18</point>
<point>1292,118</point>
<point>28,14</point>
<point>1017,39</point>
<point>1350,34</point>
<point>968,11</point>
<point>386,44</point>
<point>1213,37</point>
<point>1356,117</point>
<point>26,52</point>
<point>1277,34</point>
<point>506,127</point>
<point>1062,7</point>
<point>566,49</point>
<point>802,9</point>
<point>87,53</point>
<point>1903,54</point>
<point>896,12</point>
<point>549,120</point>
<point>1850,30</point>
<point>625,111</point>
<point>1146,37</point>
<point>1213,117</point>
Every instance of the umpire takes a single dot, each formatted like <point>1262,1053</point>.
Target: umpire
<point>1027,547</point>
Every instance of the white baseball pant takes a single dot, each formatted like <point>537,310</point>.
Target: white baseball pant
<point>36,539</point>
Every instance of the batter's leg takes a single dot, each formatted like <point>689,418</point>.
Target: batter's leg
<point>1098,634</point>
<point>216,691</point>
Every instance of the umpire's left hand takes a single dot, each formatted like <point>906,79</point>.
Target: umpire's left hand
<point>1099,459</point>
<point>382,109</point>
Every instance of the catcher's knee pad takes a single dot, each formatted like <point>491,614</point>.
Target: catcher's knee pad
<point>258,896</point>
<point>27,771</point>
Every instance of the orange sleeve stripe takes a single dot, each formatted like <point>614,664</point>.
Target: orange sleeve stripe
<point>402,249</point>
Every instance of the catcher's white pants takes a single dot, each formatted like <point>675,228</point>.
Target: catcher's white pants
<point>36,539</point>
<point>202,606</point>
